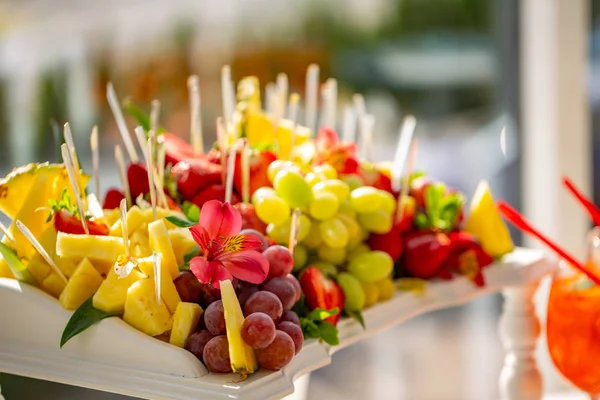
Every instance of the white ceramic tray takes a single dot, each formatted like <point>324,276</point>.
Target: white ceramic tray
<point>113,357</point>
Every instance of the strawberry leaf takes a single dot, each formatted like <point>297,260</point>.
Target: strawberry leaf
<point>140,116</point>
<point>63,204</point>
<point>357,315</point>
<point>319,314</point>
<point>84,317</point>
<point>328,333</point>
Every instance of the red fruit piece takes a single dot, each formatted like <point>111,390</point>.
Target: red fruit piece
<point>213,192</point>
<point>258,162</point>
<point>112,199</point>
<point>390,242</point>
<point>425,253</point>
<point>66,222</point>
<point>249,218</point>
<point>407,223</point>
<point>137,176</point>
<point>176,149</point>
<point>467,257</point>
<point>321,292</point>
<point>375,178</point>
<point>343,156</point>
<point>194,175</point>
<point>417,190</point>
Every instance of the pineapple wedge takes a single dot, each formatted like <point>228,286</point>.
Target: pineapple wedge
<point>135,218</point>
<point>161,214</point>
<point>104,249</point>
<point>243,359</point>
<point>140,240</point>
<point>185,321</point>
<point>112,216</point>
<point>53,285</point>
<point>143,312</point>
<point>168,291</point>
<point>486,224</point>
<point>82,285</point>
<point>182,242</point>
<point>159,242</point>
<point>38,267</point>
<point>5,271</point>
<point>112,293</point>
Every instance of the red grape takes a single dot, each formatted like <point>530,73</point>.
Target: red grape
<point>216,355</point>
<point>254,232</point>
<point>281,260</point>
<point>265,302</point>
<point>295,333</point>
<point>196,342</point>
<point>214,318</point>
<point>244,291</point>
<point>283,289</point>
<point>189,287</point>
<point>290,316</point>
<point>201,325</point>
<point>278,354</point>
<point>258,330</point>
<point>296,284</point>
<point>209,295</point>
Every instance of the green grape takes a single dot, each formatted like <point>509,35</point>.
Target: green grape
<point>372,266</point>
<point>334,233</point>
<point>371,293</point>
<point>273,169</point>
<point>359,249</point>
<point>376,222</point>
<point>353,292</point>
<point>300,257</point>
<point>366,199</point>
<point>388,202</point>
<point>304,227</point>
<point>333,256</point>
<point>326,170</point>
<point>272,210</point>
<point>364,234</point>
<point>324,205</point>
<point>354,181</point>
<point>327,268</point>
<point>335,186</point>
<point>280,232</point>
<point>312,179</point>
<point>313,239</point>
<point>351,226</point>
<point>347,209</point>
<point>292,187</point>
<point>386,289</point>
<point>262,193</point>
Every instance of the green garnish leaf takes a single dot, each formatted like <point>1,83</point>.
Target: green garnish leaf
<point>328,333</point>
<point>181,223</point>
<point>421,221</point>
<point>63,204</point>
<point>357,315</point>
<point>319,314</point>
<point>309,328</point>
<point>184,267</point>
<point>191,211</point>
<point>84,317</point>
<point>313,324</point>
<point>140,115</point>
<point>187,257</point>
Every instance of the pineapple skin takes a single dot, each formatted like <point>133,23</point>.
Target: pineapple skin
<point>159,242</point>
<point>143,312</point>
<point>83,284</point>
<point>185,321</point>
<point>112,293</point>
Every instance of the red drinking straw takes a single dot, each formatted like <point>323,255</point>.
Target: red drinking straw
<point>520,222</point>
<point>592,210</point>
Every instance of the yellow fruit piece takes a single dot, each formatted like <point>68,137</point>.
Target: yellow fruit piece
<point>185,322</point>
<point>159,242</point>
<point>53,285</point>
<point>135,219</point>
<point>182,242</point>
<point>168,291</point>
<point>38,267</point>
<point>82,285</point>
<point>112,216</point>
<point>415,285</point>
<point>112,293</point>
<point>102,249</point>
<point>243,359</point>
<point>5,271</point>
<point>371,293</point>
<point>248,94</point>
<point>259,129</point>
<point>140,242</point>
<point>386,289</point>
<point>284,137</point>
<point>486,224</point>
<point>161,214</point>
<point>66,265</point>
<point>143,312</point>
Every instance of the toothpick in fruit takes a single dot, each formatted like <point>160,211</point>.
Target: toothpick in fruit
<point>230,172</point>
<point>361,110</point>
<point>282,88</point>
<point>73,179</point>
<point>270,93</point>
<point>222,142</point>
<point>140,135</point>
<point>6,233</point>
<point>245,167</point>
<point>161,153</point>
<point>332,101</point>
<point>294,230</point>
<point>40,249</point>
<point>404,141</point>
<point>197,140</point>
<point>74,159</point>
<point>154,116</point>
<point>406,181</point>
<point>151,183</point>
<point>294,104</point>
<point>367,124</point>
<point>113,102</point>
<point>125,263</point>
<point>311,96</point>
<point>123,174</point>
<point>349,126</point>
<point>226,93</point>
<point>156,259</point>
<point>95,159</point>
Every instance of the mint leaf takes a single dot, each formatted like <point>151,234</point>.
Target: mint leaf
<point>357,315</point>
<point>140,116</point>
<point>184,267</point>
<point>310,329</point>
<point>328,333</point>
<point>63,204</point>
<point>84,317</point>
<point>191,211</point>
<point>187,257</point>
<point>181,223</point>
<point>319,314</point>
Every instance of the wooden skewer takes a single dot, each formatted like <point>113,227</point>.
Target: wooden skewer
<point>197,140</point>
<point>282,88</point>
<point>230,173</point>
<point>360,109</point>
<point>124,227</point>
<point>74,161</point>
<point>118,113</point>
<point>332,101</point>
<point>40,249</point>
<point>151,182</point>
<point>226,92</point>
<point>402,149</point>
<point>294,230</point>
<point>73,179</point>
<point>160,166</point>
<point>349,127</point>
<point>6,233</point>
<point>222,141</point>
<point>270,101</point>
<point>156,258</point>
<point>154,116</point>
<point>406,181</point>
<point>311,95</point>
<point>140,135</point>
<point>95,159</point>
<point>294,103</point>
<point>368,124</point>
<point>123,174</point>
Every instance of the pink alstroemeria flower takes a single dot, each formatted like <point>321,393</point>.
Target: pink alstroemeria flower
<point>226,253</point>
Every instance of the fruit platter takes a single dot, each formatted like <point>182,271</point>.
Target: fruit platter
<point>231,271</point>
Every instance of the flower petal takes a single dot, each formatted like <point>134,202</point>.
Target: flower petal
<point>220,220</point>
<point>220,273</point>
<point>201,237</point>
<point>237,243</point>
<point>247,265</point>
<point>202,269</point>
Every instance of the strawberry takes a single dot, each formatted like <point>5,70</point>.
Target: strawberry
<point>213,192</point>
<point>375,178</point>
<point>172,204</point>
<point>258,162</point>
<point>137,176</point>
<point>112,199</point>
<point>249,218</point>
<point>425,253</point>
<point>467,257</point>
<point>65,221</point>
<point>176,149</point>
<point>390,242</point>
<point>417,190</point>
<point>407,223</point>
<point>343,156</point>
<point>193,175</point>
<point>321,292</point>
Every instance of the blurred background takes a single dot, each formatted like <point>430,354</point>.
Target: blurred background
<point>454,64</point>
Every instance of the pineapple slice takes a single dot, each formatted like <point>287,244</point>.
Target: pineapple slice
<point>143,312</point>
<point>82,285</point>
<point>284,137</point>
<point>112,216</point>
<point>38,267</point>
<point>140,240</point>
<point>112,293</point>
<point>486,224</point>
<point>5,271</point>
<point>182,242</point>
<point>159,242</point>
<point>161,214</point>
<point>243,359</point>
<point>135,218</point>
<point>67,266</point>
<point>168,291</point>
<point>101,249</point>
<point>53,285</point>
<point>185,321</point>
<point>259,129</point>
<point>15,187</point>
